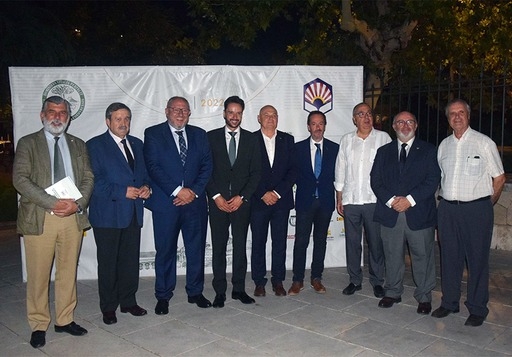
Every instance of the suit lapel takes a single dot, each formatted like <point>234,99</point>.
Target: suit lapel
<point>169,138</point>
<point>279,150</point>
<point>113,147</point>
<point>74,154</point>
<point>411,155</point>
<point>43,153</point>
<point>265,162</point>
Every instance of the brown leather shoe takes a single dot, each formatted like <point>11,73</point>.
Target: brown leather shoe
<point>318,286</point>
<point>279,289</point>
<point>296,288</point>
<point>259,291</point>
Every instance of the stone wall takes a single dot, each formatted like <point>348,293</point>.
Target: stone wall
<point>502,234</point>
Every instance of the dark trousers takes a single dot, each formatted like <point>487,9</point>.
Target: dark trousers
<point>465,233</point>
<point>118,265</point>
<point>317,219</point>
<point>357,217</point>
<point>219,223</point>
<point>191,220</point>
<point>260,221</point>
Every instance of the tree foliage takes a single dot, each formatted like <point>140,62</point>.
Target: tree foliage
<point>460,36</point>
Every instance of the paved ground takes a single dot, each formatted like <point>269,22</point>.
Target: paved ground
<point>308,324</point>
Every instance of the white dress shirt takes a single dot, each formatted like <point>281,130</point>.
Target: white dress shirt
<point>270,146</point>
<point>353,166</point>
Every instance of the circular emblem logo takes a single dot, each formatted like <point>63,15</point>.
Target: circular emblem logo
<point>69,91</point>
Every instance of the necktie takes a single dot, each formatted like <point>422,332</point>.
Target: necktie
<point>128,153</point>
<point>59,172</point>
<point>318,160</point>
<point>318,164</point>
<point>183,146</point>
<point>232,148</point>
<point>403,156</point>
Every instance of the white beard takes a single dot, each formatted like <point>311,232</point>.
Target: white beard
<point>55,130</point>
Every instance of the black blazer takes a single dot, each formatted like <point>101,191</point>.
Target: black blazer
<point>241,179</point>
<point>281,176</point>
<point>420,179</point>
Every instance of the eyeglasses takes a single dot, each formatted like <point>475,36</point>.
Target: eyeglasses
<point>409,122</point>
<point>179,110</point>
<point>364,114</point>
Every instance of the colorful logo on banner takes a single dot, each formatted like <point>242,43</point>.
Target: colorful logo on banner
<point>69,91</point>
<point>318,96</point>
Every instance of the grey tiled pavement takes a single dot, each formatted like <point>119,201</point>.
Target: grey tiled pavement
<point>308,324</point>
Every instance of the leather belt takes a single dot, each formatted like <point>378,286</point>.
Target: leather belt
<point>464,202</point>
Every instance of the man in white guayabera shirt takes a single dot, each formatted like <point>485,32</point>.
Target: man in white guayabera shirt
<point>355,200</point>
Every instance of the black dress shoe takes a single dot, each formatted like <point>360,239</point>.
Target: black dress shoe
<point>474,320</point>
<point>351,289</point>
<point>243,297</point>
<point>72,328</point>
<point>387,301</point>
<point>200,301</point>
<point>135,310</point>
<point>441,312</point>
<point>424,308</point>
<point>219,300</point>
<point>378,291</point>
<point>162,307</point>
<point>109,317</point>
<point>38,339</point>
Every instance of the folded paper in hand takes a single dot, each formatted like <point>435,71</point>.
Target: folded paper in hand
<point>64,188</point>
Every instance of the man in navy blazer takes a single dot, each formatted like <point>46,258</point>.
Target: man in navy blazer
<point>314,201</point>
<point>405,176</point>
<point>179,163</point>
<point>116,209</point>
<point>272,201</point>
<point>236,174</point>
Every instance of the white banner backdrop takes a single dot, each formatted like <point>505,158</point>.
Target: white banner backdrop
<point>293,90</point>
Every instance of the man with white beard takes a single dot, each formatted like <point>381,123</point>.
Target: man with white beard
<point>52,228</point>
<point>405,176</point>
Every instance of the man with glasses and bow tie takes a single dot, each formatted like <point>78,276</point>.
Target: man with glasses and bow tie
<point>179,163</point>
<point>121,184</point>
<point>405,176</point>
<point>355,200</point>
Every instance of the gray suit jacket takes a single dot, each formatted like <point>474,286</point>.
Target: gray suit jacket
<point>32,174</point>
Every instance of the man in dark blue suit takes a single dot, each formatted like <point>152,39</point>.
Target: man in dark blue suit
<point>236,174</point>
<point>179,163</point>
<point>272,201</point>
<point>116,209</point>
<point>405,176</point>
<point>314,201</point>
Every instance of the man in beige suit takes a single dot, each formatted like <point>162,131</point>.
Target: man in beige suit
<point>51,227</point>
